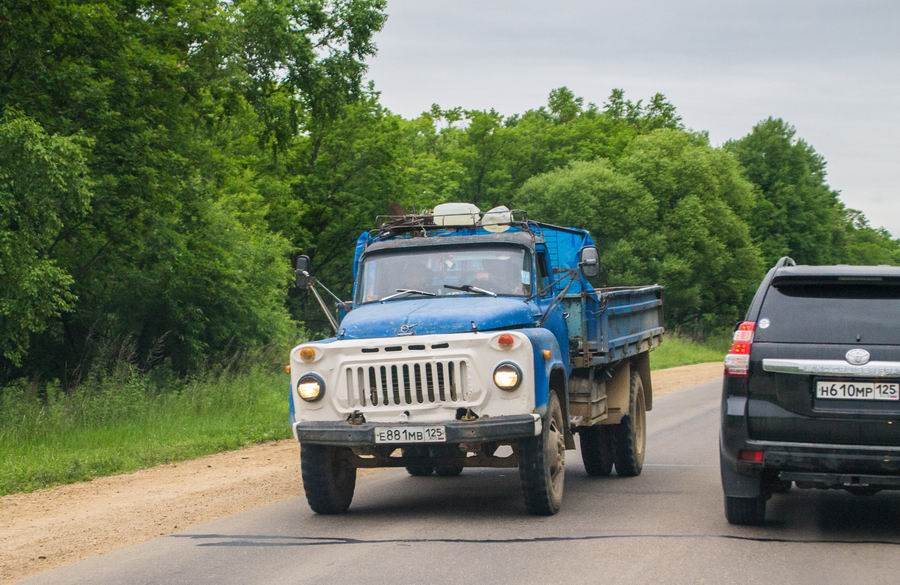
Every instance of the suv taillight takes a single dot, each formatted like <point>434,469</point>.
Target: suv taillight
<point>737,362</point>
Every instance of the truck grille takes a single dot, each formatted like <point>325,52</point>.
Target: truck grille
<point>407,384</point>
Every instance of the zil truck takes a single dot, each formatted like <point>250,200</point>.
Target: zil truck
<point>474,340</point>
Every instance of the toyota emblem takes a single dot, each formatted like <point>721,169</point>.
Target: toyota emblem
<point>857,357</point>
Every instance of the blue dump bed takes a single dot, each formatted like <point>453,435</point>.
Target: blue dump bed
<point>605,324</point>
<point>610,324</point>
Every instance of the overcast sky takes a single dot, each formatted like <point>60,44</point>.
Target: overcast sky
<point>832,69</point>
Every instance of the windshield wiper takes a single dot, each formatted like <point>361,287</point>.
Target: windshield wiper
<point>407,291</point>
<point>472,288</point>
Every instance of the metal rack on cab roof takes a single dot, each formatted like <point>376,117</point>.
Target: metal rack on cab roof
<point>450,218</point>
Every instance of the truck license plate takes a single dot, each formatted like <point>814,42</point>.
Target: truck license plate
<point>858,390</point>
<point>410,434</point>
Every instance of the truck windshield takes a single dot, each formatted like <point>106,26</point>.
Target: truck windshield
<point>504,270</point>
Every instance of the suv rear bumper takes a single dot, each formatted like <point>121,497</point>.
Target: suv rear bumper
<point>839,459</point>
<point>497,428</point>
<point>815,464</point>
<point>841,481</point>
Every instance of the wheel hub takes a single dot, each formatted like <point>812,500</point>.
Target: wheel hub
<point>556,455</point>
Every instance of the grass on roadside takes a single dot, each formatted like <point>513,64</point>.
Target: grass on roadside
<point>682,351</point>
<point>123,424</point>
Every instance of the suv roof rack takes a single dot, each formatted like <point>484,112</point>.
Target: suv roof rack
<point>785,261</point>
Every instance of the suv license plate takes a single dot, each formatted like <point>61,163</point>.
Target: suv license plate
<point>435,434</point>
<point>858,390</point>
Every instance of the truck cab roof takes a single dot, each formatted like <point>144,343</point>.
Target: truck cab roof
<point>561,245</point>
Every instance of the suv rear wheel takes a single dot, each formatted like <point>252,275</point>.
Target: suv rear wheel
<point>745,511</point>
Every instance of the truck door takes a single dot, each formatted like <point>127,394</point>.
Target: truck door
<point>555,321</point>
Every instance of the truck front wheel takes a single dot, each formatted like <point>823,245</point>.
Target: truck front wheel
<point>630,435</point>
<point>329,478</point>
<point>542,463</point>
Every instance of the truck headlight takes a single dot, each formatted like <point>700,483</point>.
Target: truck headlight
<point>507,376</point>
<point>310,387</point>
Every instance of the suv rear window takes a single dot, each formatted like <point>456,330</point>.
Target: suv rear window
<point>831,313</point>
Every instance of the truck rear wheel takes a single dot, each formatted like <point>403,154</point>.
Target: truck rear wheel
<point>542,463</point>
<point>630,435</point>
<point>329,478</point>
<point>597,450</point>
<point>448,470</point>
<point>420,469</point>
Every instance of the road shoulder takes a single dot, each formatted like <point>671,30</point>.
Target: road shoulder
<point>681,377</point>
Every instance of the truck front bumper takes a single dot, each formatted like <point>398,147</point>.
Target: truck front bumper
<point>483,430</point>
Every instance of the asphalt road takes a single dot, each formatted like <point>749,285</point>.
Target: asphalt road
<point>665,526</point>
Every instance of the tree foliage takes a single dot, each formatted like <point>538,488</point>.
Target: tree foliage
<point>187,105</point>
<point>798,214</point>
<point>671,209</point>
<point>43,185</point>
<point>160,162</point>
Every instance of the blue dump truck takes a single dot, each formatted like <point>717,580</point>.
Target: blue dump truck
<point>474,340</point>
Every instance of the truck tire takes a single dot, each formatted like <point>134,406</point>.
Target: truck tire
<point>448,470</point>
<point>542,463</point>
<point>745,511</point>
<point>329,478</point>
<point>597,450</point>
<point>630,435</point>
<point>419,470</point>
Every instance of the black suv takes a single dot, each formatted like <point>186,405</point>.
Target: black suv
<point>812,387</point>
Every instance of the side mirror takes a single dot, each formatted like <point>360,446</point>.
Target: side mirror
<point>304,278</point>
<point>590,262</point>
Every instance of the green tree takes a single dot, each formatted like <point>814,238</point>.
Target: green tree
<point>866,244</point>
<point>708,261</point>
<point>189,106</point>
<point>797,213</point>
<point>619,212</point>
<point>43,184</point>
<point>659,113</point>
<point>359,167</point>
<point>499,154</point>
